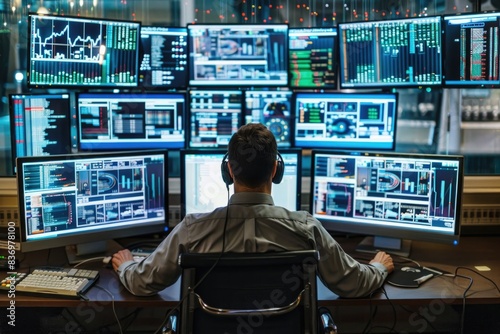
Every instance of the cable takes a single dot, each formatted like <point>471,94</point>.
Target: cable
<point>208,271</point>
<point>133,315</point>
<point>120,330</point>
<point>406,259</point>
<point>368,328</point>
<point>152,243</point>
<point>478,273</point>
<point>464,296</point>
<point>99,258</point>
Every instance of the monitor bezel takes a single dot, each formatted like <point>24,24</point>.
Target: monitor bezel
<point>336,56</point>
<point>389,85</point>
<point>158,227</point>
<point>326,145</point>
<point>239,82</point>
<point>154,88</point>
<point>222,152</point>
<point>139,145</point>
<point>380,229</point>
<point>31,84</point>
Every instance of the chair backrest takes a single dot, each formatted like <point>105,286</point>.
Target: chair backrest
<point>257,293</point>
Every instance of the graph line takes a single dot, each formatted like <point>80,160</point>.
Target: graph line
<point>87,42</point>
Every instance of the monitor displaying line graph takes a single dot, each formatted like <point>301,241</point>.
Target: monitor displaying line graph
<point>69,51</point>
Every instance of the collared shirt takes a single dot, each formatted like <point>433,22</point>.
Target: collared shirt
<point>253,224</point>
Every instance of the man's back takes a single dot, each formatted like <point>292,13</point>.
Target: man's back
<point>251,223</point>
<point>251,227</point>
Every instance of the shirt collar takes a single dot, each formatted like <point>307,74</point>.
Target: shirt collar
<point>246,198</point>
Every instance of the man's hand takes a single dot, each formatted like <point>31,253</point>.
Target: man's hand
<point>120,257</point>
<point>385,259</point>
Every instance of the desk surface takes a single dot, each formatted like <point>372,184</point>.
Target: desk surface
<point>471,252</point>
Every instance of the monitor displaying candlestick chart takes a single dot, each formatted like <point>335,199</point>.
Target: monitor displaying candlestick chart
<point>74,51</point>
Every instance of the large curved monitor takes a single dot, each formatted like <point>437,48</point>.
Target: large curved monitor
<point>238,54</point>
<point>391,53</point>
<point>67,51</point>
<point>392,196</point>
<point>76,199</point>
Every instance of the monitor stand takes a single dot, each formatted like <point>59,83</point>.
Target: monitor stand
<point>395,246</point>
<point>85,251</point>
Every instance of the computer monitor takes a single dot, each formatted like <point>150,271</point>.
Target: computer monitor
<point>214,115</point>
<point>67,51</point>
<point>41,124</point>
<point>471,50</point>
<point>79,199</point>
<point>392,196</point>
<point>238,54</point>
<point>391,53</point>
<point>313,60</point>
<point>345,120</point>
<point>164,62</point>
<point>203,190</point>
<point>129,121</point>
<point>273,108</point>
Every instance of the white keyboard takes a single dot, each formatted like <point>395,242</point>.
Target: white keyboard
<point>61,282</point>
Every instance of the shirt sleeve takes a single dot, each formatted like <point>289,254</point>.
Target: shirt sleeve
<point>340,272</point>
<point>157,271</point>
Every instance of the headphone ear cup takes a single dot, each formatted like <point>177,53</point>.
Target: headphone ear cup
<point>280,170</point>
<point>224,170</point>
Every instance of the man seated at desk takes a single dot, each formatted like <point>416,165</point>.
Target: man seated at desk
<point>251,223</point>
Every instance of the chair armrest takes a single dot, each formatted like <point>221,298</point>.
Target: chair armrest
<point>327,325</point>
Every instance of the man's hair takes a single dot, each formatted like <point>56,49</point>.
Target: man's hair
<point>252,153</point>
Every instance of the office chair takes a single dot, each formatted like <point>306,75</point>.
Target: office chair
<point>259,293</point>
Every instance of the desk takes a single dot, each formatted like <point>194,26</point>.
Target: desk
<point>471,252</point>
<point>439,291</point>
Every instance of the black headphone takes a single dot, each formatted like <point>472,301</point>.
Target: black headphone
<point>228,180</point>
